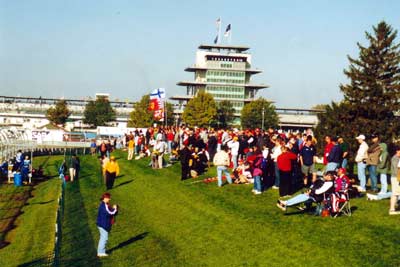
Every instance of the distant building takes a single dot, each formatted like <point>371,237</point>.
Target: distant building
<point>225,72</point>
<point>30,112</point>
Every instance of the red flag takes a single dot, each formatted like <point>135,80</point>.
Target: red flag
<point>153,105</point>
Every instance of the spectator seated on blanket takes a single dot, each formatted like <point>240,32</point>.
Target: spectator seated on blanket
<point>316,193</point>
<point>242,173</point>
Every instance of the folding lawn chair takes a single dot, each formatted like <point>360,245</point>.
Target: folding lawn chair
<point>341,203</point>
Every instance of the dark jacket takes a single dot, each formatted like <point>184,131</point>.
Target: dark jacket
<point>335,155</point>
<point>104,217</point>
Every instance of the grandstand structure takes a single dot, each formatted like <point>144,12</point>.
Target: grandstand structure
<point>30,112</point>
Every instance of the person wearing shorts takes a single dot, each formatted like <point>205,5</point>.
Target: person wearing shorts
<point>308,155</point>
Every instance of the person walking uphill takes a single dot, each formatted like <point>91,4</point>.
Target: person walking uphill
<point>105,220</point>
<point>111,171</point>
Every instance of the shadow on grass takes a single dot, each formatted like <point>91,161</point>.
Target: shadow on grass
<point>124,183</point>
<point>45,261</point>
<point>129,241</point>
<point>77,243</point>
<point>41,203</point>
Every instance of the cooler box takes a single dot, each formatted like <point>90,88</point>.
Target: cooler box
<point>17,179</point>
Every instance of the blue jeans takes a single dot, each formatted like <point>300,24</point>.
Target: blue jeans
<point>384,184</point>
<point>297,199</point>
<point>224,169</point>
<point>344,163</point>
<point>277,175</point>
<point>332,166</point>
<point>101,248</point>
<point>361,174</point>
<point>257,183</point>
<point>372,175</point>
<point>234,161</point>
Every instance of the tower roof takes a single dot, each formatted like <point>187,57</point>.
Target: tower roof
<point>224,47</point>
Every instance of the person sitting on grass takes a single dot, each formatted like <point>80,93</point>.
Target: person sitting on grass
<point>314,194</point>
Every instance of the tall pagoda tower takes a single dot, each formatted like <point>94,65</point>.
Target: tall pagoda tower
<point>223,71</point>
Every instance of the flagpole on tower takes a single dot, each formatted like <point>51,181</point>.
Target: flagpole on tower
<point>219,30</point>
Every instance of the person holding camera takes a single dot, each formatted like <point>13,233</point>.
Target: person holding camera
<point>105,219</point>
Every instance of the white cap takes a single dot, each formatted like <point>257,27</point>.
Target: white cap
<point>361,136</point>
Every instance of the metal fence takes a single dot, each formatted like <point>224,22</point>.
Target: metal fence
<point>13,140</point>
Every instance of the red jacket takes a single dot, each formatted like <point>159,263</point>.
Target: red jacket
<point>284,161</point>
<point>327,150</point>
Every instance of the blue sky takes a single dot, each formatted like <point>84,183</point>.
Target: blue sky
<point>127,48</point>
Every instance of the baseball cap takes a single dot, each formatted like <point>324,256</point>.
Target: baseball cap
<point>361,136</point>
<point>342,170</point>
<point>105,195</point>
<point>374,135</point>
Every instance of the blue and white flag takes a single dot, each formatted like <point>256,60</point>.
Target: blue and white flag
<point>158,93</point>
<point>228,30</point>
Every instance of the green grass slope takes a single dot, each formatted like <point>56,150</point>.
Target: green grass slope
<point>32,237</point>
<point>166,222</point>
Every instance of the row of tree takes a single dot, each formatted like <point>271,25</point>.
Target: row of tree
<point>201,111</point>
<point>97,113</point>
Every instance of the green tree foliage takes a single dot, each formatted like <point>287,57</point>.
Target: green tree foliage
<point>225,114</point>
<point>252,114</point>
<point>372,96</point>
<point>99,112</point>
<point>58,114</point>
<point>201,110</point>
<point>170,114</point>
<point>141,117</point>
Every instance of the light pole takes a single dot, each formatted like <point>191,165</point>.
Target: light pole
<point>262,123</point>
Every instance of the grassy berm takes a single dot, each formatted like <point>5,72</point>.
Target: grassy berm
<point>165,222</point>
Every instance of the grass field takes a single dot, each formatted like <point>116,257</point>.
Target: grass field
<point>29,212</point>
<point>166,222</point>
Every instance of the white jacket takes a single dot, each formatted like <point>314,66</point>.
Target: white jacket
<point>362,152</point>
<point>234,146</point>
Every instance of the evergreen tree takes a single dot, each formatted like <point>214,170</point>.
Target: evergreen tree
<point>372,97</point>
<point>225,114</point>
<point>58,114</point>
<point>99,112</point>
<point>252,114</point>
<point>201,110</point>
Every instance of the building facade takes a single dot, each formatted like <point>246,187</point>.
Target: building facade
<point>225,72</point>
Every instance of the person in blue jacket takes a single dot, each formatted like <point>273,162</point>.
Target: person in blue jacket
<point>105,219</point>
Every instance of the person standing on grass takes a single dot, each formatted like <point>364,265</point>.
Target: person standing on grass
<point>395,181</point>
<point>328,147</point>
<point>184,156</point>
<point>334,157</point>
<point>361,158</point>
<point>344,146</point>
<point>308,157</point>
<point>105,220</point>
<point>383,167</point>
<point>374,151</point>
<point>222,162</point>
<point>111,171</point>
<point>131,145</point>
<point>284,162</point>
